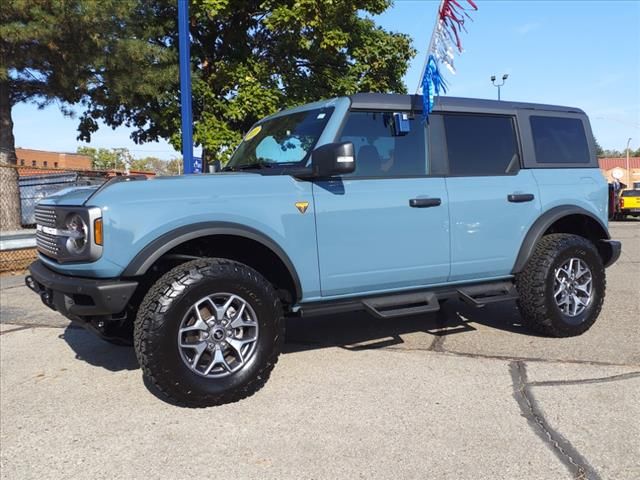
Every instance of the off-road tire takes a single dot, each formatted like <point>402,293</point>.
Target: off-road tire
<point>159,317</point>
<point>536,281</point>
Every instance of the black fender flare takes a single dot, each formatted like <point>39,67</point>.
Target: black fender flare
<point>146,257</point>
<point>541,225</point>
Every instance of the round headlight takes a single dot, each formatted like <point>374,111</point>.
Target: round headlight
<point>78,233</point>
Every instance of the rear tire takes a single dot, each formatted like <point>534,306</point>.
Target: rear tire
<point>548,272</point>
<point>180,310</point>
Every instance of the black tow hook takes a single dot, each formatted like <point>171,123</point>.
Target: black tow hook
<point>46,295</point>
<point>31,284</point>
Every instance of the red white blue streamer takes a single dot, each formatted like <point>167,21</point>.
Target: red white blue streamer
<point>432,84</point>
<point>445,40</point>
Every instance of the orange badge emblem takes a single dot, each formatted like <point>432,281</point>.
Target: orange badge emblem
<point>302,206</point>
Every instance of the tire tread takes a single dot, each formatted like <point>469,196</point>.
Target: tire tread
<point>159,299</point>
<point>531,285</point>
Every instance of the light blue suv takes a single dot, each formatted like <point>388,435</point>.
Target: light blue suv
<point>345,204</point>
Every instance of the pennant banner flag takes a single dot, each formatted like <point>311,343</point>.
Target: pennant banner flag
<point>445,40</point>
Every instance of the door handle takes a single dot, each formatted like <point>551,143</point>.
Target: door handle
<point>424,202</point>
<point>520,197</point>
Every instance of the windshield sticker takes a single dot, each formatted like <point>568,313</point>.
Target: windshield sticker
<point>321,116</point>
<point>252,133</point>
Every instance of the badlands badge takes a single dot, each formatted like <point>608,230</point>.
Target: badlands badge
<point>302,206</point>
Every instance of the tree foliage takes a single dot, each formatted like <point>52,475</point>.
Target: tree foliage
<point>75,52</point>
<point>116,61</point>
<point>121,159</point>
<point>249,59</point>
<point>108,158</point>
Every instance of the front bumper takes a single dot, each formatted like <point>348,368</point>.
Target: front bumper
<point>77,297</point>
<point>630,211</point>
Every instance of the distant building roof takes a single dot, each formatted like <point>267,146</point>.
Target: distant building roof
<point>49,151</point>
<point>30,171</point>
<point>607,163</point>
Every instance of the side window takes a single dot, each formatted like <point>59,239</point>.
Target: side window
<point>559,140</point>
<point>481,145</point>
<point>380,153</point>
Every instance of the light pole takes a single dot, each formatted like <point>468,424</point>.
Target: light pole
<point>628,171</point>
<point>185,85</point>
<point>493,81</point>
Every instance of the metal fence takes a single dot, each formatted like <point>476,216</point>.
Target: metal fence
<point>21,188</point>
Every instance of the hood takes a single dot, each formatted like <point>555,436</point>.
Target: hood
<point>78,196</point>
<point>72,196</point>
<point>183,189</point>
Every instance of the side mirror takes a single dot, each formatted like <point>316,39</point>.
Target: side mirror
<point>333,159</point>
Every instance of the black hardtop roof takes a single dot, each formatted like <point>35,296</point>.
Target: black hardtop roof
<point>393,101</point>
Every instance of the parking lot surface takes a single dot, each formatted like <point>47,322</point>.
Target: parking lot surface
<point>464,393</point>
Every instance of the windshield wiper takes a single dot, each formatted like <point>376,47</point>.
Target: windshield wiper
<point>248,166</point>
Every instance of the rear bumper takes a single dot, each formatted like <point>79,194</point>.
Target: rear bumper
<point>78,297</point>
<point>609,251</point>
<point>630,211</point>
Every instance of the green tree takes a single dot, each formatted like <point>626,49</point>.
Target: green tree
<point>66,52</point>
<point>613,153</point>
<point>250,59</point>
<point>174,167</point>
<point>150,164</point>
<point>599,149</point>
<point>107,158</point>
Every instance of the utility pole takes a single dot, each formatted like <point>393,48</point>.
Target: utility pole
<point>185,85</point>
<point>629,185</point>
<point>493,81</point>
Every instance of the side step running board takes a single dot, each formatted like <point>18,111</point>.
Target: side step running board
<point>401,305</point>
<point>480,295</point>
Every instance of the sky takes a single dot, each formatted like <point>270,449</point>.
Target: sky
<point>579,53</point>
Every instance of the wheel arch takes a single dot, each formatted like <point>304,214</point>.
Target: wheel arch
<point>240,236</point>
<point>564,219</point>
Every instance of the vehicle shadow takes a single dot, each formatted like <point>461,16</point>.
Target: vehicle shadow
<point>353,331</point>
<point>91,349</point>
<point>361,331</point>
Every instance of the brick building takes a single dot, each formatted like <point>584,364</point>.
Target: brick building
<point>610,165</point>
<point>43,159</point>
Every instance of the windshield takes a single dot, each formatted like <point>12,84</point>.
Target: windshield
<point>631,193</point>
<point>283,140</point>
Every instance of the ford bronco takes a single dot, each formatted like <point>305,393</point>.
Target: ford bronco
<point>350,203</point>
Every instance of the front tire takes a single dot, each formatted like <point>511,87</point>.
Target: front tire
<point>209,332</point>
<point>562,287</point>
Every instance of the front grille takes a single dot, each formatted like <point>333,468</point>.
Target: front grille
<point>47,244</point>
<point>46,216</point>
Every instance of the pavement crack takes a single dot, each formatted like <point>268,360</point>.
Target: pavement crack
<point>577,465</point>
<point>20,327</point>
<point>11,287</point>
<point>17,329</point>
<point>612,378</point>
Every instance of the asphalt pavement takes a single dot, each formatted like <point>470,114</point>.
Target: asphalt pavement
<point>462,394</point>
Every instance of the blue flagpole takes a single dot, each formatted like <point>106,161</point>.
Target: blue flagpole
<point>185,85</point>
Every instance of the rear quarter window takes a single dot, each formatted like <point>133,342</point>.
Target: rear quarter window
<point>481,144</point>
<point>559,140</point>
